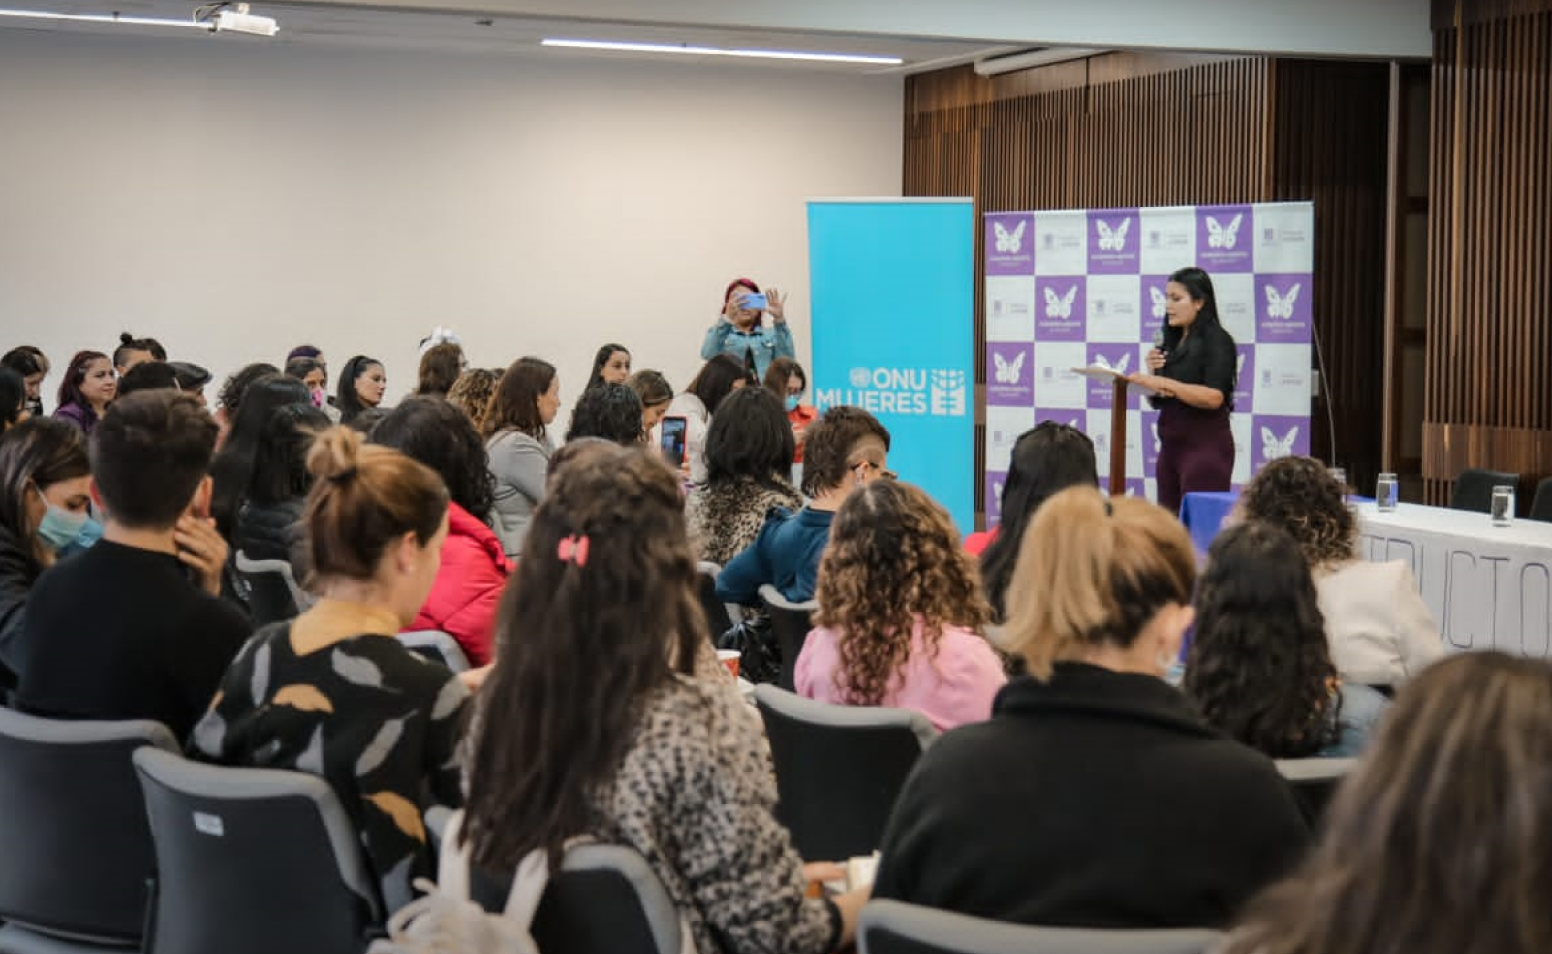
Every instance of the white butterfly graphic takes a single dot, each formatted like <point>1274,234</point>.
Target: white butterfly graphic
<point>1239,365</point>
<point>1008,372</point>
<point>1009,241</point>
<point>1157,443</point>
<point>1113,239</point>
<point>1281,306</point>
<point>1073,424</point>
<point>997,489</point>
<point>1223,236</point>
<point>1060,306</point>
<point>1272,446</point>
<point>1119,367</point>
<point>1157,294</point>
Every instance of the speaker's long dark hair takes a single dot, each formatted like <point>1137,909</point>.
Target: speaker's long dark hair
<point>583,642</point>
<point>1198,284</point>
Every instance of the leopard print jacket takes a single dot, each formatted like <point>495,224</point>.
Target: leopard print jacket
<point>696,797</point>
<point>725,518</point>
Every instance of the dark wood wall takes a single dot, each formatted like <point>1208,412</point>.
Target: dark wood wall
<point>1488,400</point>
<point>1126,129</point>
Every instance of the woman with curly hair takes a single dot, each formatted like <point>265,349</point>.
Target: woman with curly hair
<point>899,606</point>
<point>471,394</point>
<point>1259,669</point>
<point>610,411</point>
<point>1438,842</point>
<point>1094,796</point>
<point>1380,630</point>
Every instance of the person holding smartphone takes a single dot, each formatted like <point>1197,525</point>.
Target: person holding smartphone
<point>741,330</point>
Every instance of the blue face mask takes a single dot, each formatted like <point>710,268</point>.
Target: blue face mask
<point>59,527</point>
<point>793,400</point>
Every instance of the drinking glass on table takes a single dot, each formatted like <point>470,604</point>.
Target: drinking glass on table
<point>1386,492</point>
<point>1502,510</point>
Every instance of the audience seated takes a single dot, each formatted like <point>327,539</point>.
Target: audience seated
<point>134,351</point>
<point>603,604</point>
<point>1381,632</point>
<point>698,402</point>
<point>13,399</point>
<point>147,376</point>
<point>1438,842</point>
<point>233,466</point>
<point>30,363</point>
<point>361,387</point>
<point>655,393</point>
<point>440,366</point>
<point>120,631</point>
<point>518,442</point>
<point>86,390</point>
<point>748,457</point>
<point>611,365</point>
<point>610,411</point>
<point>462,602</point>
<point>44,499</point>
<point>471,394</point>
<point>1049,457</point>
<point>1095,796</point>
<point>269,521</point>
<point>847,448</point>
<point>787,380</point>
<point>1259,669</point>
<point>333,693</point>
<point>899,606</point>
<point>229,398</point>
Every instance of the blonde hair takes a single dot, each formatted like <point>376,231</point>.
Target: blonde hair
<point>1093,571</point>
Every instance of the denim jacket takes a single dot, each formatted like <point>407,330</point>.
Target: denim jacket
<point>768,341</point>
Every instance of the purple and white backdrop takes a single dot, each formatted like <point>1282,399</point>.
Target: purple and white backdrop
<point>1077,287</point>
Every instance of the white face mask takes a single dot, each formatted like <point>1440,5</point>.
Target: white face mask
<point>59,527</point>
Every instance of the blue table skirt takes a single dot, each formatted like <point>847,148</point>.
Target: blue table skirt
<point>1203,514</point>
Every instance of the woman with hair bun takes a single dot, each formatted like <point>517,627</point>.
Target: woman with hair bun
<point>899,606</point>
<point>332,692</point>
<point>1095,796</point>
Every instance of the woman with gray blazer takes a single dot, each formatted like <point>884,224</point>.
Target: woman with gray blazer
<point>525,401</point>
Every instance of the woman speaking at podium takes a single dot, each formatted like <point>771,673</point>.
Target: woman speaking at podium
<point>1192,370</point>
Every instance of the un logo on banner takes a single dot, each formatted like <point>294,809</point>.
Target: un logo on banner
<point>861,377</point>
<point>948,393</point>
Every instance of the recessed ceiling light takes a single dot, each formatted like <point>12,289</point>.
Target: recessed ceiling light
<point>685,48</point>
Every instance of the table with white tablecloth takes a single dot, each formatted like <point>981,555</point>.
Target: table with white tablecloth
<point>1489,587</point>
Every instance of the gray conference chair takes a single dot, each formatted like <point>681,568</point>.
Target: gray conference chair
<point>1315,781</point>
<point>1474,489</point>
<point>790,623</point>
<point>252,861</point>
<point>839,769</point>
<point>604,898</point>
<point>437,646</point>
<point>75,851</point>
<point>270,589</point>
<point>720,616</point>
<point>894,927</point>
<point>1541,504</point>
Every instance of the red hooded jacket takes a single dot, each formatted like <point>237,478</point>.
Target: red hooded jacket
<point>463,599</point>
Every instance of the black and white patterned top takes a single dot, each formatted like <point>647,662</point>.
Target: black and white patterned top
<point>376,721</point>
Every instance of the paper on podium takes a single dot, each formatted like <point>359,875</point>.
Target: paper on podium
<point>1101,373</point>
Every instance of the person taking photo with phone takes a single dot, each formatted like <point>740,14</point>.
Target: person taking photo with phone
<point>741,330</point>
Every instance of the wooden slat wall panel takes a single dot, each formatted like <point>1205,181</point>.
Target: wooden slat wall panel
<point>1330,147</point>
<point>1489,380</point>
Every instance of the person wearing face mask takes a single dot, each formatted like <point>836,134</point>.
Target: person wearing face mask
<point>29,362</point>
<point>741,331</point>
<point>787,380</point>
<point>43,509</point>
<point>847,448</point>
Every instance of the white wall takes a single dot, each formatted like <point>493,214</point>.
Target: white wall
<point>235,199</point>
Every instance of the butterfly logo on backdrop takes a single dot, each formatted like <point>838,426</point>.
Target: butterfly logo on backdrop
<point>1009,242</point>
<point>1281,306</point>
<point>1009,372</point>
<point>997,489</point>
<point>1157,294</point>
<point>1119,367</point>
<point>1239,365</point>
<point>1224,236</point>
<point>1158,444</point>
<point>1273,446</point>
<point>1060,306</point>
<point>1112,239</point>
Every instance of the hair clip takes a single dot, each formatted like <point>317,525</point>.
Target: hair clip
<point>573,549</point>
<point>343,476</point>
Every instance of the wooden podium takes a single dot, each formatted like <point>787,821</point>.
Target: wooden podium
<point>1119,386</point>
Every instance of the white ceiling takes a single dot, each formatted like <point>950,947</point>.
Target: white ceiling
<point>315,24</point>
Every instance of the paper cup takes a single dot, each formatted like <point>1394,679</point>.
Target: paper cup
<point>729,658</point>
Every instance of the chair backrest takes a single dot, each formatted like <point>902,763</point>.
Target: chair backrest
<point>1314,781</point>
<point>437,646</point>
<point>604,898</point>
<point>1541,504</point>
<point>273,594</point>
<point>1474,489</point>
<point>75,851</point>
<point>894,927</point>
<point>839,769</point>
<point>718,619</point>
<point>252,861</point>
<point>790,623</point>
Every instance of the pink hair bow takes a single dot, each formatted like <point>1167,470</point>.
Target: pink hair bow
<point>573,549</point>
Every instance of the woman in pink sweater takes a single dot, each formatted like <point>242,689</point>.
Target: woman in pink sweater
<point>899,608</point>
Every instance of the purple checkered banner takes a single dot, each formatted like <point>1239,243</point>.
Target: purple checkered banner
<point>1077,288</point>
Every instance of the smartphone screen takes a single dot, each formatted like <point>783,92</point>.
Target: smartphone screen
<point>674,440</point>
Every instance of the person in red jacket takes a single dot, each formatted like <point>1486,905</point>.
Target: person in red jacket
<point>475,567</point>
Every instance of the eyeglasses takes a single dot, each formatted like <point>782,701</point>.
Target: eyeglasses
<point>876,469</point>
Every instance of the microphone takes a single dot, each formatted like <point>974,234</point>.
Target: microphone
<point>1158,341</point>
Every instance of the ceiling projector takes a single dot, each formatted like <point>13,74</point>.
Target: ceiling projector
<point>237,19</point>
